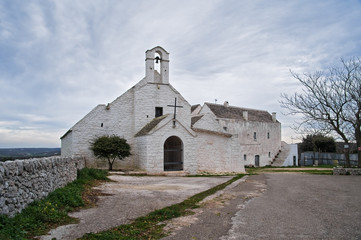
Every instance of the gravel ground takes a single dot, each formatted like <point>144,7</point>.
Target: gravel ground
<point>279,206</point>
<point>265,206</point>
<point>131,197</point>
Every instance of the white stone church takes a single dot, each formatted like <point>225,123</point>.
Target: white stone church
<point>166,133</point>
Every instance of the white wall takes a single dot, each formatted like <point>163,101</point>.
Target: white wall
<point>293,152</point>
<point>149,96</point>
<point>153,154</point>
<point>243,131</point>
<point>67,145</point>
<point>263,146</point>
<point>115,119</point>
<point>217,154</point>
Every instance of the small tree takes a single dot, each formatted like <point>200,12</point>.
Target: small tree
<point>307,144</point>
<point>324,143</point>
<point>110,148</point>
<point>317,143</point>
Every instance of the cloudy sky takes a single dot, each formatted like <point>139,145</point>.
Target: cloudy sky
<point>59,59</point>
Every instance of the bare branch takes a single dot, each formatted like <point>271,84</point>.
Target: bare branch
<point>330,101</point>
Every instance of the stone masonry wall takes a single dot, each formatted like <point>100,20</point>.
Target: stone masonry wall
<point>24,181</point>
<point>346,171</point>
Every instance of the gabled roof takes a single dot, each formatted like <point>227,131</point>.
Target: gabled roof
<point>222,111</point>
<point>212,132</point>
<point>194,107</point>
<point>152,124</point>
<point>157,47</point>
<point>195,119</point>
<point>69,131</point>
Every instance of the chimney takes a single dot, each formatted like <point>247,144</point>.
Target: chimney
<point>274,119</point>
<point>226,104</point>
<point>245,115</point>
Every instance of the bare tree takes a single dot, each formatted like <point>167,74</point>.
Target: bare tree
<point>330,102</point>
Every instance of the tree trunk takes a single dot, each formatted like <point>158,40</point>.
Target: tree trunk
<point>347,158</point>
<point>110,164</point>
<point>358,144</point>
<point>359,154</point>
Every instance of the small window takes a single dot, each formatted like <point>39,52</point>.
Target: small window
<point>225,129</point>
<point>158,111</point>
<point>244,157</point>
<point>101,125</point>
<point>255,136</point>
<point>268,135</point>
<point>269,154</point>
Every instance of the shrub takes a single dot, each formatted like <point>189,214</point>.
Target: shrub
<point>110,148</point>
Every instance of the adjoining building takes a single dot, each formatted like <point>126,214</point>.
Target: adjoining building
<point>166,133</point>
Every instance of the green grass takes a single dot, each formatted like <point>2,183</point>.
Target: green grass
<point>269,166</point>
<point>324,172</point>
<point>151,225</point>
<point>42,215</point>
<point>327,170</point>
<point>212,175</point>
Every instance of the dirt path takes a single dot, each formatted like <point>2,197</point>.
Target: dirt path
<point>130,197</point>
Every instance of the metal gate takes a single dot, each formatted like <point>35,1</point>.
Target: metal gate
<point>173,154</point>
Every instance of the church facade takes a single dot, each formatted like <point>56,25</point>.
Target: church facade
<point>166,133</point>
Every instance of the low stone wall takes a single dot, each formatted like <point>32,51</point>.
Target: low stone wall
<point>24,181</point>
<point>346,171</point>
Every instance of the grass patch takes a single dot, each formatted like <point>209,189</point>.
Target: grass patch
<point>325,171</point>
<point>42,215</point>
<point>295,167</point>
<point>151,225</point>
<point>212,175</point>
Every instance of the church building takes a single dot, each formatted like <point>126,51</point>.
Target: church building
<point>166,133</point>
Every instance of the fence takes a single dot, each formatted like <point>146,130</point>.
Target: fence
<point>316,158</point>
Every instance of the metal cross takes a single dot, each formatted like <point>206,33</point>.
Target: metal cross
<point>175,107</point>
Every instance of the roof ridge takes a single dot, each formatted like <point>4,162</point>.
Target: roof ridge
<point>233,112</point>
<point>149,126</point>
<point>243,108</point>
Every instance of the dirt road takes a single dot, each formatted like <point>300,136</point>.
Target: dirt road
<point>279,206</point>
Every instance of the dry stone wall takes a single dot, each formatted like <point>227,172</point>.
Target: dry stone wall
<point>346,171</point>
<point>24,181</point>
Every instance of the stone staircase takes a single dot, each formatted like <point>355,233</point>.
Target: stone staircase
<point>281,156</point>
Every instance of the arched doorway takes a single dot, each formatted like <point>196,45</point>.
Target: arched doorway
<point>173,154</point>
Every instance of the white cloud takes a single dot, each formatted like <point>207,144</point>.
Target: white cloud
<point>60,59</point>
<point>37,22</point>
<point>30,138</point>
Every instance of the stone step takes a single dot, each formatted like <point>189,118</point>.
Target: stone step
<point>282,155</point>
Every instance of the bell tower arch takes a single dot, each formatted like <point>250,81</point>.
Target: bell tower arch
<point>155,56</point>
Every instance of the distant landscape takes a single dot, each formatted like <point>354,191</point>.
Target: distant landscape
<point>24,153</point>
